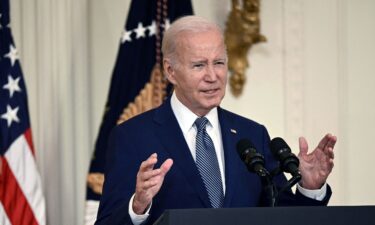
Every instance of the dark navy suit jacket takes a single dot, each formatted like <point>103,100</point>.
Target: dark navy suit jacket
<point>158,131</point>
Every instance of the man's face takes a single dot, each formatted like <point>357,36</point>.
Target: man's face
<point>200,74</point>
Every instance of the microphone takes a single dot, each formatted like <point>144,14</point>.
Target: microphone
<point>253,160</point>
<point>255,163</point>
<point>288,161</point>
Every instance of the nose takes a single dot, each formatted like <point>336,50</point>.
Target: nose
<point>210,74</point>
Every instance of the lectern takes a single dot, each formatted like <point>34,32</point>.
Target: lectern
<point>331,215</point>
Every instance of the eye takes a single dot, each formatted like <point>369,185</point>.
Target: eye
<point>198,65</point>
<point>219,63</point>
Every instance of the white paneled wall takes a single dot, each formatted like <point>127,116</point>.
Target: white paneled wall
<point>315,74</point>
<point>358,99</point>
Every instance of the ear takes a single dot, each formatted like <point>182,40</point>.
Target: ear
<point>169,71</point>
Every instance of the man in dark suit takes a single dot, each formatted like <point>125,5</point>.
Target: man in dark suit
<point>140,179</point>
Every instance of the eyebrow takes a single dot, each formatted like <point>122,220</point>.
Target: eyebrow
<point>205,60</point>
<point>199,61</point>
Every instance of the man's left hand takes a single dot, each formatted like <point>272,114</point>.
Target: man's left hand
<point>316,166</point>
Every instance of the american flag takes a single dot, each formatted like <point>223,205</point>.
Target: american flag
<point>21,196</point>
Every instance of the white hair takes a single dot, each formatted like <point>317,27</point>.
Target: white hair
<point>189,24</point>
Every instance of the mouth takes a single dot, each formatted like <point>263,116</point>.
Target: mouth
<point>211,91</point>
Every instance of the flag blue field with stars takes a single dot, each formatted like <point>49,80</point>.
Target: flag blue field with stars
<point>135,61</point>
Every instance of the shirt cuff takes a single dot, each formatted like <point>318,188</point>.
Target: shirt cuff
<point>317,194</point>
<point>137,219</point>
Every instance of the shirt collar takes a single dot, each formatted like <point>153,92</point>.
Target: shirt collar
<point>186,118</point>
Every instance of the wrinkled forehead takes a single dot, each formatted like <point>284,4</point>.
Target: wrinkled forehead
<point>188,34</point>
<point>204,41</point>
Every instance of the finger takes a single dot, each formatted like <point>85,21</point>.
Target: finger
<point>330,165</point>
<point>330,153</point>
<point>149,163</point>
<point>158,175</point>
<point>303,146</point>
<point>323,143</point>
<point>166,166</point>
<point>151,182</point>
<point>330,156</point>
<point>330,144</point>
<point>146,175</point>
<point>332,141</point>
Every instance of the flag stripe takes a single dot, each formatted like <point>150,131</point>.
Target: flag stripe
<point>4,220</point>
<point>14,201</point>
<point>22,164</point>
<point>29,140</point>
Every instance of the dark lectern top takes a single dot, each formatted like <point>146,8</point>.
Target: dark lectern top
<point>331,215</point>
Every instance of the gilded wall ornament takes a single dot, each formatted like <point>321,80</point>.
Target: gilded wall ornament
<point>242,31</point>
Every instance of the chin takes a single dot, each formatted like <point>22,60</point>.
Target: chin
<point>212,104</point>
<point>209,102</point>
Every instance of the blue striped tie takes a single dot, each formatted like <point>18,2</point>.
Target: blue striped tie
<point>207,164</point>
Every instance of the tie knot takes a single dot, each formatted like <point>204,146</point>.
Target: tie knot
<point>201,123</point>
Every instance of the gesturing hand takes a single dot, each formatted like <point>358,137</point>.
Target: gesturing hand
<point>316,166</point>
<point>149,181</point>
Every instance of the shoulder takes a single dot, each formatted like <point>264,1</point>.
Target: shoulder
<point>238,120</point>
<point>134,126</point>
<point>243,128</point>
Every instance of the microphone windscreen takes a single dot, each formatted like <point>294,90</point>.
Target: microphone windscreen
<point>243,145</point>
<point>277,144</point>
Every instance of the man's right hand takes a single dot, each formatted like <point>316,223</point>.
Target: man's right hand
<point>149,181</point>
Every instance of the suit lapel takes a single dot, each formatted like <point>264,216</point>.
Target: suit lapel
<point>229,137</point>
<point>170,134</point>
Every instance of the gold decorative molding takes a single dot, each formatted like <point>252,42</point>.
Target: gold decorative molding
<point>150,96</point>
<point>242,31</point>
